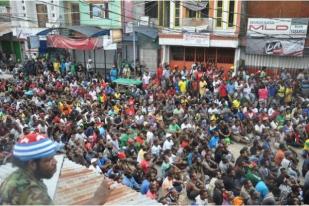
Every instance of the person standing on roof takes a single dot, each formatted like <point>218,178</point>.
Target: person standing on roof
<point>34,156</point>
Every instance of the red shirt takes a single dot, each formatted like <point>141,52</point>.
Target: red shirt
<point>145,165</point>
<point>140,140</point>
<point>159,72</point>
<point>222,90</point>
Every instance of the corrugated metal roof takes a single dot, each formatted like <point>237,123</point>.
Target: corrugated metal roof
<point>276,62</point>
<point>77,184</point>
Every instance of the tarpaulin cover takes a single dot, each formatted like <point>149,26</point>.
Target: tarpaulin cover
<point>128,82</point>
<point>58,41</point>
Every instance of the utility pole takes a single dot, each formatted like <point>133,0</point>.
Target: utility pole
<point>134,49</point>
<point>105,75</point>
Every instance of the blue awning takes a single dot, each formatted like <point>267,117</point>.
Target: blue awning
<point>88,31</point>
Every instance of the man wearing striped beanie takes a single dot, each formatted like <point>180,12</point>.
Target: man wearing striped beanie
<point>34,156</point>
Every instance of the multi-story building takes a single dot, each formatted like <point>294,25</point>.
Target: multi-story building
<point>276,36</point>
<point>203,32</point>
<point>29,17</point>
<point>9,47</point>
<point>140,41</point>
<point>105,15</point>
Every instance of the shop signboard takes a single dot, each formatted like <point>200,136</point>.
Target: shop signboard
<point>275,47</point>
<point>277,27</point>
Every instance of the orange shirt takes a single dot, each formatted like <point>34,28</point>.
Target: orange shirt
<point>279,157</point>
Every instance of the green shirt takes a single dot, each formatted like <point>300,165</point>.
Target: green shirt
<point>173,128</point>
<point>22,188</point>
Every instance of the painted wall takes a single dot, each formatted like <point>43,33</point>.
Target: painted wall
<point>113,22</point>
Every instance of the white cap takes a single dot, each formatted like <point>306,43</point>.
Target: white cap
<point>168,135</point>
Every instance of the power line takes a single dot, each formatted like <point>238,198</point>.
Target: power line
<point>158,27</point>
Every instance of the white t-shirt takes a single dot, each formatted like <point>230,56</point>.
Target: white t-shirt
<point>146,79</point>
<point>149,137</point>
<point>168,145</point>
<point>155,150</point>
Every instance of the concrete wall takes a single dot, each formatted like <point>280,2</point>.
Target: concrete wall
<point>24,13</point>
<point>149,57</point>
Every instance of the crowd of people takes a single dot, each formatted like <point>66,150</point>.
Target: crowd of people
<point>171,137</point>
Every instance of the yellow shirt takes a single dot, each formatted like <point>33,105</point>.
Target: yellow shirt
<point>56,66</point>
<point>236,104</point>
<point>306,145</point>
<point>202,87</point>
<point>182,86</point>
<point>281,91</point>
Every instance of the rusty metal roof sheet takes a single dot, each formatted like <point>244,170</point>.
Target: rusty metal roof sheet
<point>77,184</point>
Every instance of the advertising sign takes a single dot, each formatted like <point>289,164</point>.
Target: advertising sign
<point>276,47</point>
<point>277,28</point>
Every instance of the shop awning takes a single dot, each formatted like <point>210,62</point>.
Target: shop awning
<point>87,31</point>
<point>58,41</point>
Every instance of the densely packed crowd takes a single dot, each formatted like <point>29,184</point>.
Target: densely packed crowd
<point>171,135</point>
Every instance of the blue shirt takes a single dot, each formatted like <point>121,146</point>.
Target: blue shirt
<point>114,74</point>
<point>145,186</point>
<point>213,142</point>
<point>130,182</point>
<point>102,131</point>
<point>230,88</point>
<point>272,90</point>
<point>262,189</point>
<point>101,162</point>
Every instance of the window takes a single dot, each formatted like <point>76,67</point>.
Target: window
<point>151,9</point>
<point>189,54</point>
<point>231,13</point>
<point>219,13</point>
<point>41,10</point>
<point>24,8</point>
<point>198,14</point>
<point>177,13</point>
<point>177,53</point>
<point>99,10</point>
<point>192,14</point>
<point>75,14</point>
<point>53,15</point>
<point>205,12</point>
<point>164,13</point>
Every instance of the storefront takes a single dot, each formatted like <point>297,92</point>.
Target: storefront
<point>275,44</point>
<point>187,49</point>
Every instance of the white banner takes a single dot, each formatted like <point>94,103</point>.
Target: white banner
<point>196,39</point>
<point>277,28</point>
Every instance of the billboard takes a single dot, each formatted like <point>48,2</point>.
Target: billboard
<point>276,47</point>
<point>277,28</point>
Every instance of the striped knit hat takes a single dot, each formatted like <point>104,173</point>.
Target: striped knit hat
<point>34,146</point>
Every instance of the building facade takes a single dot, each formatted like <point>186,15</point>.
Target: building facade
<point>31,17</point>
<point>202,32</point>
<point>276,37</point>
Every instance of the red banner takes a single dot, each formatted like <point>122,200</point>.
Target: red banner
<point>58,41</point>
